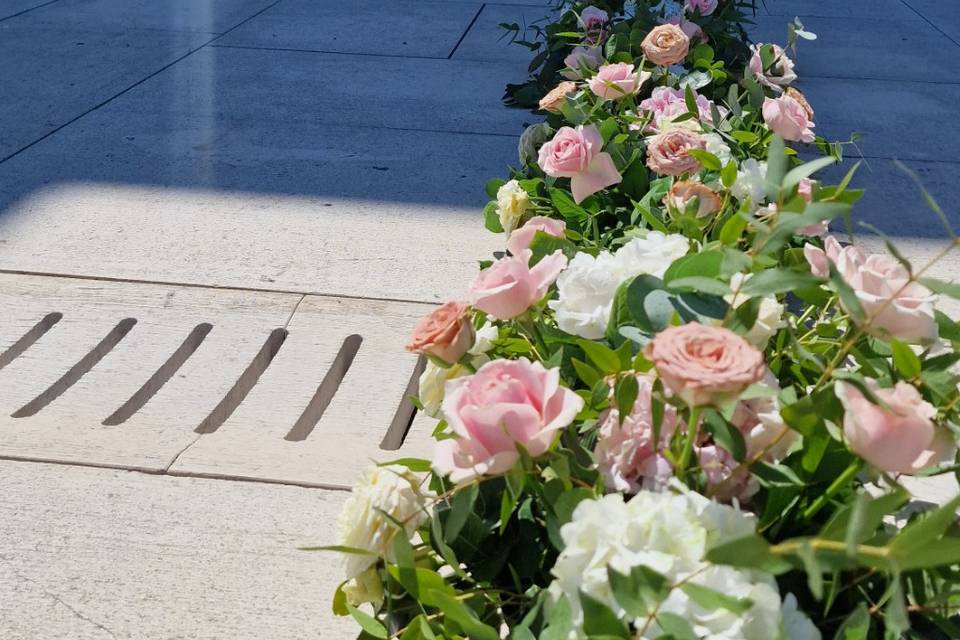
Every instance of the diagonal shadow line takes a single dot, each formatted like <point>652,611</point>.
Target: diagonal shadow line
<point>467,30</point>
<point>20,13</point>
<point>135,84</point>
<point>929,22</point>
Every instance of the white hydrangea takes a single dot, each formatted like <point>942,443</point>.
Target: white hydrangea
<point>718,147</point>
<point>669,533</point>
<point>512,203</point>
<point>751,183</point>
<point>393,490</point>
<point>588,285</point>
<point>769,315</point>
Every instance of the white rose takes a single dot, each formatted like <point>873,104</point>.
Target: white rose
<point>512,203</point>
<point>751,183</point>
<point>366,587</point>
<point>796,624</point>
<point>718,147</point>
<point>586,289</point>
<point>769,316</point>
<point>482,343</point>
<point>433,380</point>
<point>393,490</point>
<point>670,534</point>
<point>651,254</point>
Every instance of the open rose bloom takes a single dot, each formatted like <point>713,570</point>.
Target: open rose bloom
<point>616,81</point>
<point>667,152</point>
<point>446,333</point>
<point>666,44</point>
<point>510,286</point>
<point>506,404</point>
<point>576,154</point>
<point>788,118</point>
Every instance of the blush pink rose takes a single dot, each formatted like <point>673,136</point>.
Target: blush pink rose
<point>805,191</point>
<point>666,44</point>
<point>618,80</point>
<point>902,439</point>
<point>509,286</point>
<point>505,404</point>
<point>446,333</point>
<point>779,75</point>
<point>666,103</point>
<point>521,238</point>
<point>667,152</point>
<point>882,285</point>
<point>787,118</point>
<point>593,20</point>
<point>689,27</point>
<point>704,365</point>
<point>705,7</point>
<point>589,57</point>
<point>626,454</point>
<point>576,154</point>
<point>726,478</point>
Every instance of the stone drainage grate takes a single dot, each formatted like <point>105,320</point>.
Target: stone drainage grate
<point>194,381</point>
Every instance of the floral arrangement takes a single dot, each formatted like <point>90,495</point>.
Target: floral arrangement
<point>675,407</point>
<point>590,32</point>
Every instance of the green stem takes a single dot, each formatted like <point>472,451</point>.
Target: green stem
<point>835,486</point>
<point>693,432</point>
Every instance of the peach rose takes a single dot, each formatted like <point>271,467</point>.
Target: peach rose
<point>882,285</point>
<point>667,152</point>
<point>521,238</point>
<point>554,100</point>
<point>684,191</point>
<point>616,81</point>
<point>666,44</point>
<point>787,118</point>
<point>704,365</point>
<point>509,286</point>
<point>445,333</point>
<point>576,154</point>
<point>902,439</point>
<point>506,403</point>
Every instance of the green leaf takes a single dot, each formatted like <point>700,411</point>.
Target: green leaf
<point>598,619</point>
<point>588,374</point>
<point>709,161</point>
<point>648,304</point>
<point>726,435</point>
<point>749,552</point>
<point>732,230</point>
<point>566,207</point>
<point>340,602</point>
<point>713,600</point>
<point>368,623</point>
<point>493,185</point>
<point>905,360</point>
<point>626,394</point>
<point>603,357</point>
<point>453,609</point>
<point>544,244</point>
<point>925,529</point>
<point>608,128</point>
<point>776,167</point>
<point>461,506</point>
<point>491,219</point>
<point>339,548</point>
<point>771,281</point>
<point>951,289</point>
<point>703,264</point>
<point>728,175</point>
<point>701,284</point>
<point>856,626</point>
<point>678,628</point>
<point>691,101</point>
<point>640,592</point>
<point>895,616</point>
<point>421,583</point>
<point>795,175</point>
<point>559,621</point>
<point>417,465</point>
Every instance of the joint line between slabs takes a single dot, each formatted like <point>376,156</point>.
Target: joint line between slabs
<point>134,85</point>
<point>467,30</point>
<point>20,13</point>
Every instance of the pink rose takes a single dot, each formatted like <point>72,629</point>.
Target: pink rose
<point>762,426</point>
<point>895,305</point>
<point>626,454</point>
<point>505,404</point>
<point>554,100</point>
<point>593,20</point>
<point>618,80</point>
<point>779,74</point>
<point>718,468</point>
<point>576,154</point>
<point>689,27</point>
<point>521,238</point>
<point>667,152</point>
<point>446,333</point>
<point>705,7</point>
<point>805,191</point>
<point>787,118</point>
<point>589,57</point>
<point>683,192</point>
<point>902,439</point>
<point>509,286</point>
<point>704,365</point>
<point>666,44</point>
<point>665,104</point>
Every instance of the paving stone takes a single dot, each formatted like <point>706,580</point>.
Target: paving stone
<point>911,49</point>
<point>73,71</point>
<point>11,8</point>
<point>380,27</point>
<point>487,40</point>
<point>95,554</point>
<point>199,16</point>
<point>853,9</point>
<point>905,120</point>
<point>945,15</point>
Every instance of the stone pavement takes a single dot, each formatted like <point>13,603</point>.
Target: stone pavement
<point>273,190</point>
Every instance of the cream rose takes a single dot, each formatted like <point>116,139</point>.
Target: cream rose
<point>512,203</point>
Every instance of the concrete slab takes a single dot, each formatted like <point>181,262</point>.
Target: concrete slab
<point>197,16</point>
<point>944,15</point>
<point>389,27</point>
<point>906,120</point>
<point>73,71</point>
<point>94,554</point>
<point>487,41</point>
<point>302,89</point>
<point>854,9</point>
<point>851,48</point>
<point>11,8</point>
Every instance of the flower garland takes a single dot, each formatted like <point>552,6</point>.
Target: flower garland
<point>676,407</point>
